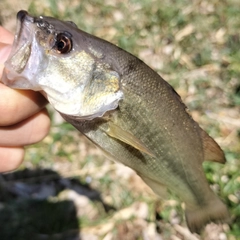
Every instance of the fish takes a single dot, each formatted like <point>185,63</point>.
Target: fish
<point>123,106</point>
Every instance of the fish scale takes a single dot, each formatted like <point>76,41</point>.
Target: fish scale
<point>129,120</point>
<point>122,106</point>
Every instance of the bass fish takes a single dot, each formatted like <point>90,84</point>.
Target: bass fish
<point>122,106</point>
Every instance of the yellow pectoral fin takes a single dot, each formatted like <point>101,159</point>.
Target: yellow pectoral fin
<point>126,137</point>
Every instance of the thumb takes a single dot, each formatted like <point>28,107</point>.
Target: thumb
<point>5,50</point>
<point>5,36</point>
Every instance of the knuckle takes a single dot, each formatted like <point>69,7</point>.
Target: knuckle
<point>41,127</point>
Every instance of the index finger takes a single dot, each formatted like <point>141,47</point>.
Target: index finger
<point>6,36</point>
<point>17,105</point>
<point>5,50</point>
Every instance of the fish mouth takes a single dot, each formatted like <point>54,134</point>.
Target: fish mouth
<point>21,49</point>
<point>21,46</point>
<point>23,15</point>
<point>19,66</point>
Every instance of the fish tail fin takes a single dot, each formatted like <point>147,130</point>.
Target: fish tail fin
<point>197,218</point>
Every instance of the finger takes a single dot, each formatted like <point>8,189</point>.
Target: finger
<point>5,50</point>
<point>10,158</point>
<point>27,132</point>
<point>17,105</point>
<point>5,36</point>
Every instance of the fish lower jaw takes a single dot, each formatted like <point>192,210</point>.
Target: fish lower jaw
<point>17,81</point>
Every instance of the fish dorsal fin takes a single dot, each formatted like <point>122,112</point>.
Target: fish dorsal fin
<point>117,132</point>
<point>212,151</point>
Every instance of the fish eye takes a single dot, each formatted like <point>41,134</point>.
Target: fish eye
<point>63,43</point>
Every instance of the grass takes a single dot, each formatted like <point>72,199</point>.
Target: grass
<point>194,45</point>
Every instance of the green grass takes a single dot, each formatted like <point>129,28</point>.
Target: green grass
<point>194,45</point>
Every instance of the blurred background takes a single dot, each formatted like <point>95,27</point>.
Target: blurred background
<point>66,189</point>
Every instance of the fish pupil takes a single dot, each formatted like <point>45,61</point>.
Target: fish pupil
<point>63,43</point>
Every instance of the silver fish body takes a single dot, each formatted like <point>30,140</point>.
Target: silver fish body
<point>121,105</point>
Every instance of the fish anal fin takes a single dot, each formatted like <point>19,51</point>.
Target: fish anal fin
<point>199,217</point>
<point>212,151</point>
<point>117,132</point>
<point>159,188</point>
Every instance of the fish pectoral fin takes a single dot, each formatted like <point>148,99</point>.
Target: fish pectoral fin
<point>126,137</point>
<point>159,188</point>
<point>212,152</point>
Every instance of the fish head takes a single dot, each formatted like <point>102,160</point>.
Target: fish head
<point>58,59</point>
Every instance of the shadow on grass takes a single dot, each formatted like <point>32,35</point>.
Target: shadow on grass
<point>29,208</point>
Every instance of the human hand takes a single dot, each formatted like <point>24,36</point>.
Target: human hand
<point>23,117</point>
